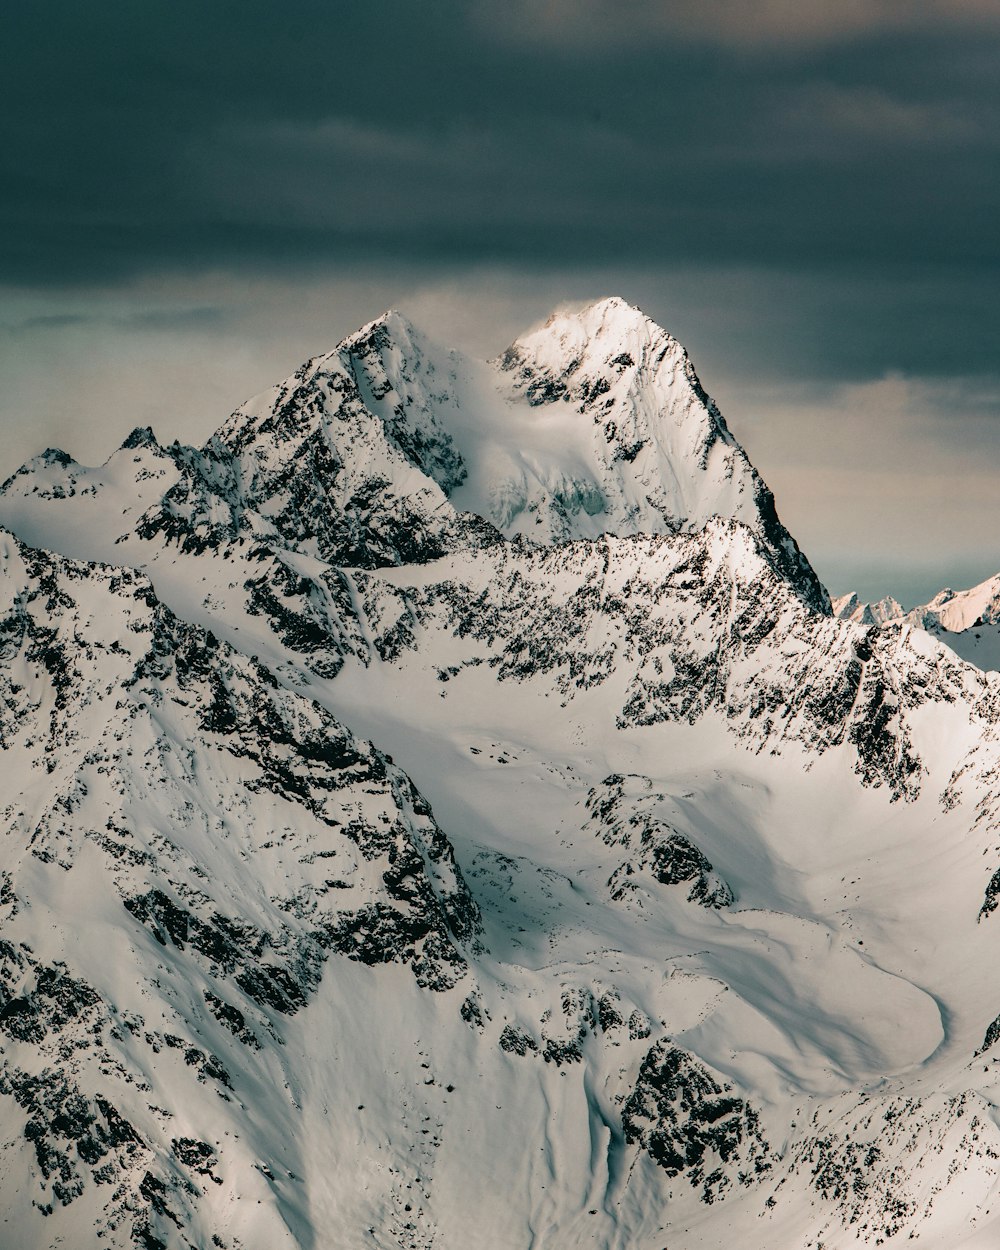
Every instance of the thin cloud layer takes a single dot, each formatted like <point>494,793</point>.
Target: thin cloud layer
<point>764,23</point>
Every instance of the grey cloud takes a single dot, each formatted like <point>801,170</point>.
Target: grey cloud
<point>172,319</point>
<point>763,24</point>
<point>148,138</point>
<point>46,321</point>
<point>150,319</point>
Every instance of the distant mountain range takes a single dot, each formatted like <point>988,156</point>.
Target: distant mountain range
<point>446,810</point>
<point>968,621</point>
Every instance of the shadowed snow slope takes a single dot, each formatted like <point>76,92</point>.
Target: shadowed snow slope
<point>443,811</point>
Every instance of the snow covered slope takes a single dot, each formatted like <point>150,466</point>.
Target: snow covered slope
<point>79,510</point>
<point>405,846</point>
<point>959,610</point>
<point>148,973</point>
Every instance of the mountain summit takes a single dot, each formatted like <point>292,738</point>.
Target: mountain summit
<point>371,454</point>
<point>442,810</point>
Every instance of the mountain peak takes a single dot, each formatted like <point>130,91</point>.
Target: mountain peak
<point>604,312</point>
<point>141,436</point>
<point>372,452</point>
<point>392,325</point>
<point>959,610</point>
<point>849,607</point>
<point>610,325</point>
<point>51,457</point>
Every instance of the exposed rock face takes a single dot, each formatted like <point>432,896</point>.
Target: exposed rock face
<point>695,625</point>
<point>696,941</point>
<point>690,1124</point>
<point>332,462</point>
<point>623,811</point>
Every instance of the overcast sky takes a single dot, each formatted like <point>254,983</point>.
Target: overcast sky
<point>197,196</point>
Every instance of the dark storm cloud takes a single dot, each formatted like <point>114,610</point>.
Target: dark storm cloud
<point>838,140</point>
<point>762,24</point>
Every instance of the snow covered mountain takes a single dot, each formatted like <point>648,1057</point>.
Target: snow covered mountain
<point>968,621</point>
<point>959,610</point>
<point>389,450</point>
<point>443,810</point>
<point>850,608</point>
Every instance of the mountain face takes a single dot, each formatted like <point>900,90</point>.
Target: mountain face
<point>442,810</point>
<point>957,611</point>
<point>391,451</point>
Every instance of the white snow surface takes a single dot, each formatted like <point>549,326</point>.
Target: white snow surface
<point>432,819</point>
